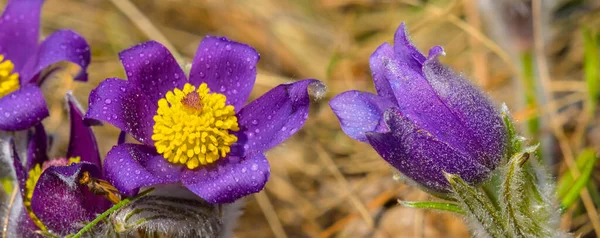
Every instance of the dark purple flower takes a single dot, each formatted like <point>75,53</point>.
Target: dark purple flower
<point>22,104</point>
<point>54,199</point>
<point>425,118</point>
<point>196,131</point>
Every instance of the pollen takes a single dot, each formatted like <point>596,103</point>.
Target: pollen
<point>192,126</point>
<point>9,81</point>
<point>34,176</point>
<point>32,179</point>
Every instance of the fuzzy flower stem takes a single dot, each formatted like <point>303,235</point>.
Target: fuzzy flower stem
<point>108,212</point>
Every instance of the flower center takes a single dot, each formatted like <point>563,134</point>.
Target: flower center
<point>9,81</point>
<point>192,126</point>
<point>34,176</point>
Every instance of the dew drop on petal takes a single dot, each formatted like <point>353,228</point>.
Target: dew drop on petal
<point>317,89</point>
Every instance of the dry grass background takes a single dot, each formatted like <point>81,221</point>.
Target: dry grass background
<point>323,183</point>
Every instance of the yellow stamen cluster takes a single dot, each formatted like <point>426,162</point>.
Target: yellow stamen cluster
<point>32,178</point>
<point>9,81</point>
<point>192,126</point>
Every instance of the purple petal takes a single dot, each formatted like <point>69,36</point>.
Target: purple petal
<point>61,203</point>
<point>229,178</point>
<point>419,102</point>
<point>228,67</point>
<point>378,62</point>
<point>273,117</point>
<point>37,151</point>
<point>63,45</point>
<point>120,103</point>
<point>18,166</point>
<point>82,142</point>
<point>152,69</point>
<point>131,166</point>
<point>26,228</point>
<point>405,50</point>
<point>360,112</point>
<point>22,109</point>
<point>421,157</point>
<point>19,31</point>
<point>471,106</point>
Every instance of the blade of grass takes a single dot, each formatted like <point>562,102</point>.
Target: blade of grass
<point>572,194</point>
<point>441,206</point>
<point>566,181</point>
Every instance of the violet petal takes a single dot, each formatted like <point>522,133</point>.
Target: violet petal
<point>20,171</point>
<point>228,67</point>
<point>229,178</point>
<point>378,62</point>
<point>19,31</point>
<point>26,228</point>
<point>273,117</point>
<point>22,109</point>
<point>131,166</point>
<point>63,45</point>
<point>121,104</point>
<point>37,147</point>
<point>360,112</point>
<point>471,106</point>
<point>151,68</point>
<point>61,203</point>
<point>82,141</point>
<point>405,50</point>
<point>422,157</point>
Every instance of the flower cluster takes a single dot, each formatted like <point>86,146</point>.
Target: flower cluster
<point>194,131</point>
<point>200,146</point>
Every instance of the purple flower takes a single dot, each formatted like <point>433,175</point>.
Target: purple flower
<point>196,131</point>
<point>425,118</point>
<point>54,199</point>
<point>22,104</point>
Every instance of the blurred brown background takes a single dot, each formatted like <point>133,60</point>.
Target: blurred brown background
<point>323,183</point>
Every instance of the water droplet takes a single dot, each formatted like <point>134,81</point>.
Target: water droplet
<point>7,114</point>
<point>317,89</point>
<point>137,172</point>
<point>141,54</point>
<point>222,88</point>
<point>254,167</point>
<point>107,101</point>
<point>228,47</point>
<point>147,62</point>
<point>123,89</point>
<point>283,128</point>
<point>257,130</point>
<point>201,75</point>
<point>244,170</point>
<point>176,75</point>
<point>255,122</point>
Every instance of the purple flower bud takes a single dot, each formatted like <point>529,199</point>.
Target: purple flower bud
<point>425,118</point>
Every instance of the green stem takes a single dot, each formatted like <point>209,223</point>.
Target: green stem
<point>105,214</point>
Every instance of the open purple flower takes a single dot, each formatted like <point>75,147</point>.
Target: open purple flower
<point>196,131</point>
<point>425,118</point>
<point>54,199</point>
<point>22,104</point>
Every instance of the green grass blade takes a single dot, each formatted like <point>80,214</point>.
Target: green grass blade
<point>442,206</point>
